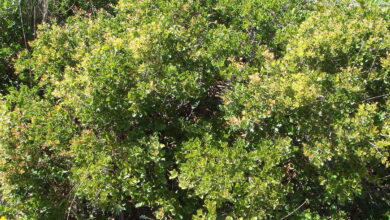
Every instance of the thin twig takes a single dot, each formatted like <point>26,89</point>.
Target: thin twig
<point>70,206</point>
<point>375,97</point>
<point>21,20</point>
<point>376,148</point>
<point>289,214</point>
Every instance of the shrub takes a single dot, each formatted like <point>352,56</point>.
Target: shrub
<point>206,109</point>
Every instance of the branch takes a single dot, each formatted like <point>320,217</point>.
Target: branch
<point>375,97</point>
<point>289,214</point>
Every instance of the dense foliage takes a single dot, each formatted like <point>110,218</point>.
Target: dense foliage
<point>19,20</point>
<point>212,109</point>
